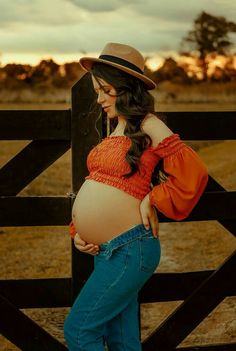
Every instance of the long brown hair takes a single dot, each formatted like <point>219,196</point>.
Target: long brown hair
<point>133,102</point>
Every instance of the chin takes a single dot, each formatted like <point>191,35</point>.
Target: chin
<point>111,115</point>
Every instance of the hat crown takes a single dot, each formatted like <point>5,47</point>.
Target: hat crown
<point>124,52</point>
<point>123,57</point>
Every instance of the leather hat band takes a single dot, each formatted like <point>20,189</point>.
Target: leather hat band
<point>121,62</point>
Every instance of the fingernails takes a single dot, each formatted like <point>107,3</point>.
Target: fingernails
<point>155,233</point>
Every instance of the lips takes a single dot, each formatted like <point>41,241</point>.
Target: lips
<point>105,108</point>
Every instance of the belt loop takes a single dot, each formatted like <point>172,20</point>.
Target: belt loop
<point>108,254</point>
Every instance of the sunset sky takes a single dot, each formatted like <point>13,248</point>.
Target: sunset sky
<point>65,30</point>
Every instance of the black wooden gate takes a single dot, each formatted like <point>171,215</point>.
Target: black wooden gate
<point>52,134</point>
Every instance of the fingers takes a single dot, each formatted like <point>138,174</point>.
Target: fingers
<point>151,220</point>
<point>89,249</point>
<point>78,240</point>
<point>149,216</point>
<point>155,227</point>
<point>82,246</point>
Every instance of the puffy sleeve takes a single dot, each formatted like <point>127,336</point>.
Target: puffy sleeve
<point>186,181</point>
<point>72,230</point>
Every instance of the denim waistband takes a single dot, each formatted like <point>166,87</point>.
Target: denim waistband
<point>131,234</point>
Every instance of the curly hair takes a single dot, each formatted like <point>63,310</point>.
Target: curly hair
<point>133,102</point>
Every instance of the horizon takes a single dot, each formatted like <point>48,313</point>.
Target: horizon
<point>32,30</point>
<point>153,62</point>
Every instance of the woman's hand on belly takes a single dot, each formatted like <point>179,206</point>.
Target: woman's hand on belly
<point>83,246</point>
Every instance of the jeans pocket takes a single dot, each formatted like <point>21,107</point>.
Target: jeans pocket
<point>150,253</point>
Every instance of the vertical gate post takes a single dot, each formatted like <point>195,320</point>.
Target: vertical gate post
<point>83,137</point>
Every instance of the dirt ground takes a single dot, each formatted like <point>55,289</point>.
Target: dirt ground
<point>40,252</point>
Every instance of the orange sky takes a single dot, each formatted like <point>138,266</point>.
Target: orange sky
<point>66,29</point>
<point>33,59</point>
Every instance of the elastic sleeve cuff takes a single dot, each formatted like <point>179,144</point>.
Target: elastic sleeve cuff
<point>72,230</point>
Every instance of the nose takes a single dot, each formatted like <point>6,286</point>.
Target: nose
<point>101,97</point>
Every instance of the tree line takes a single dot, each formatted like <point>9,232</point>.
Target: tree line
<point>208,38</point>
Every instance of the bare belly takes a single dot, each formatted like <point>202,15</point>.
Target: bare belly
<point>101,212</point>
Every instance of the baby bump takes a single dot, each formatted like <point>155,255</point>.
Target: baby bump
<point>100,212</point>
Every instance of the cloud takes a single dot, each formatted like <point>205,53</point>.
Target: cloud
<point>90,34</point>
<point>22,12</point>
<point>97,6</point>
<point>184,11</point>
<point>168,9</point>
<point>72,26</point>
<point>102,5</point>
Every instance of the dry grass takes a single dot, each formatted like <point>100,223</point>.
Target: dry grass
<point>166,92</point>
<point>210,93</point>
<point>39,252</point>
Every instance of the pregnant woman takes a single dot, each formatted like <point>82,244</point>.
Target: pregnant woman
<point>114,217</point>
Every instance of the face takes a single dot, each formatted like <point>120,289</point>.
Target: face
<point>106,96</point>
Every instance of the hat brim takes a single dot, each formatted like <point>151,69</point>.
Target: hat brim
<point>87,63</point>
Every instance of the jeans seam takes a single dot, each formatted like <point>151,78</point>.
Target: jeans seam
<point>142,267</point>
<point>105,291</point>
<point>141,255</point>
<point>122,332</point>
<point>128,242</point>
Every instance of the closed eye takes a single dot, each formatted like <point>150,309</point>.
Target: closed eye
<point>106,91</point>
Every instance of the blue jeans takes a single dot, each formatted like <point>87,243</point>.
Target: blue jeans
<point>106,309</point>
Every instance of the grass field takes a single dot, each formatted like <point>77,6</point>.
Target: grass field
<point>41,252</point>
<point>167,93</point>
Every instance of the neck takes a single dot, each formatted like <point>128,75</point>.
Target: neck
<point>120,127</point>
<point>121,122</point>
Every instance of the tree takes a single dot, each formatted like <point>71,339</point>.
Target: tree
<point>170,71</point>
<point>210,35</point>
<point>43,73</point>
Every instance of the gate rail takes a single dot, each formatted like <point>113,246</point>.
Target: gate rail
<point>52,133</point>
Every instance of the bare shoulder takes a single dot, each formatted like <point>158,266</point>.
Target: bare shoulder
<point>155,128</point>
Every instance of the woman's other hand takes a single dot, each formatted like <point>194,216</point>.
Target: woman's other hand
<point>82,246</point>
<point>149,216</point>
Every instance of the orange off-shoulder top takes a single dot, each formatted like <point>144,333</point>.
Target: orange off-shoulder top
<point>175,197</point>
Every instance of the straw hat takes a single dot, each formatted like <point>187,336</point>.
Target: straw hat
<point>121,56</point>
